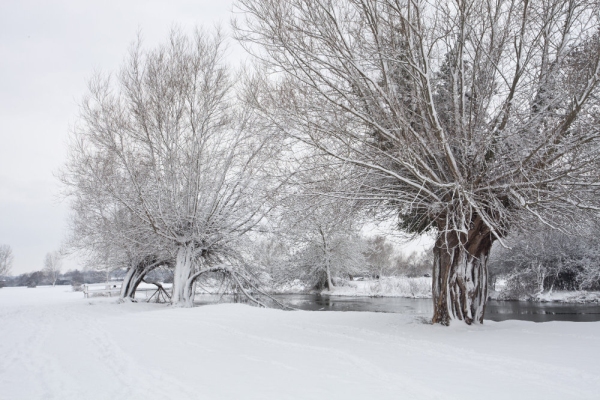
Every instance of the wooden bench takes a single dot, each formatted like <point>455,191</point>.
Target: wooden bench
<point>104,288</point>
<point>111,288</point>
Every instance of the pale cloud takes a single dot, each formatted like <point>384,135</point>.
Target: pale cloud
<point>49,50</point>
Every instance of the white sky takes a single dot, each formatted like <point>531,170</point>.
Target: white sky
<point>48,50</point>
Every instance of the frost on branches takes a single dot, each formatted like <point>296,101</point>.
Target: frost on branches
<point>166,166</point>
<point>466,118</point>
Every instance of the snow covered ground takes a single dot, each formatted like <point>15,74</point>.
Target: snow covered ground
<point>56,345</point>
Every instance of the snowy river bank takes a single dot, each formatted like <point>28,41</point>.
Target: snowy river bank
<point>420,288</point>
<point>56,345</point>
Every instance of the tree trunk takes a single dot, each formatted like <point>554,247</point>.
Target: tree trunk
<point>183,271</point>
<point>328,273</point>
<point>190,286</point>
<point>327,260</point>
<point>132,279</point>
<point>460,275</point>
<point>190,291</point>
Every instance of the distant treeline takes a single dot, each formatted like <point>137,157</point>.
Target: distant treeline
<point>75,277</point>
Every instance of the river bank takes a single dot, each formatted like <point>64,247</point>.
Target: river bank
<point>566,296</point>
<point>420,288</point>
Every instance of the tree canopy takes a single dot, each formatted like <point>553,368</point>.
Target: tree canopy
<point>467,118</point>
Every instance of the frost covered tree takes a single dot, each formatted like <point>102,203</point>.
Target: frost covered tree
<point>6,259</point>
<point>414,264</point>
<point>467,118</point>
<point>547,260</point>
<point>321,261</point>
<point>323,230</point>
<point>379,255</point>
<point>270,254</point>
<point>167,141</point>
<point>52,266</point>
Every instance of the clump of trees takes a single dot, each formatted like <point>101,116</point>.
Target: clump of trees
<point>380,256</point>
<point>305,258</point>
<point>313,239</point>
<point>548,260</point>
<point>383,259</point>
<point>415,264</point>
<point>71,277</point>
<point>468,119</point>
<point>323,231</point>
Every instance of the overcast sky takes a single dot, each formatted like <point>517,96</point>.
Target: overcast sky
<point>48,50</point>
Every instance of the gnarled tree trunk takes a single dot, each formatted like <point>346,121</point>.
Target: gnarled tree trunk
<point>131,281</point>
<point>328,274</point>
<point>134,277</point>
<point>184,269</point>
<point>460,274</point>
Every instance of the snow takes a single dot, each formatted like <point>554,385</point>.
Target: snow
<point>569,296</point>
<point>54,344</point>
<point>386,286</point>
<point>548,296</point>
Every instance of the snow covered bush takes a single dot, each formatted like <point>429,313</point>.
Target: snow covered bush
<point>401,286</point>
<point>548,260</point>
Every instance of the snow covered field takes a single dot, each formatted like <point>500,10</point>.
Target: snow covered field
<point>56,345</point>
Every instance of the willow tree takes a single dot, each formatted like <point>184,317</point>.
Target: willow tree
<point>167,141</point>
<point>468,118</point>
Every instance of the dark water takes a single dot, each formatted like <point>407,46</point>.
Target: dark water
<point>542,312</point>
<point>495,310</point>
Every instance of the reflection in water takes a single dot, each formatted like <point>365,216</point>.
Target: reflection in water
<point>542,312</point>
<point>495,310</point>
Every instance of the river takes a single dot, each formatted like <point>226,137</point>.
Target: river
<point>495,310</point>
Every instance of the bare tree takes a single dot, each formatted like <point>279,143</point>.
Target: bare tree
<point>467,118</point>
<point>323,230</point>
<point>6,259</point>
<point>270,254</point>
<point>547,260</point>
<point>52,266</point>
<point>327,251</point>
<point>169,142</point>
<point>414,264</point>
<point>380,256</point>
